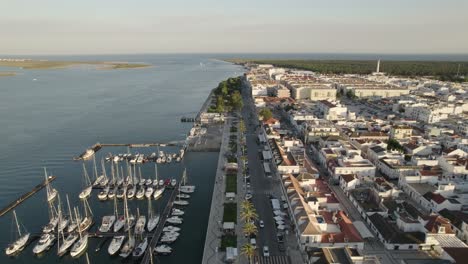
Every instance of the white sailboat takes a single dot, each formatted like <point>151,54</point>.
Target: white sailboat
<point>140,194</point>
<point>87,221</point>
<point>97,178</point>
<point>140,223</point>
<point>80,246</point>
<point>115,244</point>
<point>63,220</point>
<point>72,225</point>
<point>107,222</point>
<point>120,220</point>
<point>102,195</point>
<point>45,242</point>
<point>184,188</point>
<point>174,220</point>
<point>53,220</point>
<point>104,179</point>
<point>67,243</point>
<point>130,243</point>
<point>177,212</point>
<point>51,192</point>
<point>153,219</point>
<point>88,187</point>
<point>21,239</point>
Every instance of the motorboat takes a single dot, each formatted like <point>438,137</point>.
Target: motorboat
<point>187,188</point>
<point>152,222</point>
<point>102,195</point>
<point>149,191</point>
<point>45,242</point>
<point>80,246</point>
<point>141,248</point>
<point>161,182</point>
<point>168,239</point>
<point>67,243</point>
<point>140,193</point>
<point>171,233</point>
<point>158,193</point>
<point>163,250</point>
<point>171,229</point>
<point>181,202</point>
<point>107,222</point>
<point>19,244</point>
<point>115,244</point>
<point>174,220</point>
<point>173,183</point>
<point>183,196</point>
<point>148,182</point>
<point>176,212</point>
<point>140,225</point>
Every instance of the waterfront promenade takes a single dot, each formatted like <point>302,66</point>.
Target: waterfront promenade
<point>211,253</point>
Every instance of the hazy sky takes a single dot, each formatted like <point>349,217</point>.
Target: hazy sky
<point>268,26</point>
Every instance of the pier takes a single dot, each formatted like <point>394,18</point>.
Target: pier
<point>25,196</point>
<point>159,229</point>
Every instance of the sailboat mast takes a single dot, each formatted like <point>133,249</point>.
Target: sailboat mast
<point>95,168</point>
<point>156,171</point>
<point>69,209</point>
<point>139,172</point>
<point>47,183</point>
<point>116,211</point>
<point>17,224</point>
<point>78,222</point>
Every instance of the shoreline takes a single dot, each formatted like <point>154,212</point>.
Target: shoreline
<point>46,64</point>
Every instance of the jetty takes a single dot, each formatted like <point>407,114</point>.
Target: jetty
<point>25,196</point>
<point>98,146</point>
<point>159,229</point>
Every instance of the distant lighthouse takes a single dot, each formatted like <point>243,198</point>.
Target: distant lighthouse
<point>378,66</point>
<point>377,70</point>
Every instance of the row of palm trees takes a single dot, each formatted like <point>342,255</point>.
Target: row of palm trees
<point>249,216</point>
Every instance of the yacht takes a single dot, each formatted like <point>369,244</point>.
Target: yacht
<point>119,223</point>
<point>19,244</point>
<point>107,222</point>
<point>161,182</point>
<point>140,225</point>
<point>183,196</point>
<point>51,225</point>
<point>174,220</point>
<point>168,238</point>
<point>130,244</point>
<point>80,246</point>
<point>87,190</point>
<point>171,229</point>
<point>131,192</point>
<point>51,192</point>
<point>177,212</point>
<point>45,242</point>
<point>67,243</point>
<point>173,183</point>
<point>140,193</point>
<point>141,248</point>
<point>158,193</point>
<point>187,188</point>
<point>129,223</point>
<point>115,244</point>
<point>103,194</point>
<point>87,221</point>
<point>149,191</point>
<point>153,219</point>
<point>181,202</point>
<point>163,250</point>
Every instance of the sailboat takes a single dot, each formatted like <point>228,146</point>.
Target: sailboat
<point>140,224</point>
<point>87,190</point>
<point>102,195</point>
<point>80,246</point>
<point>130,244</point>
<point>153,219</point>
<point>163,250</point>
<point>72,225</point>
<point>108,220</point>
<point>104,180</point>
<point>115,244</point>
<point>87,221</point>
<point>120,220</point>
<point>63,220</point>
<point>140,193</point>
<point>19,244</point>
<point>179,201</point>
<point>45,242</point>
<point>53,220</point>
<point>97,179</point>
<point>141,248</point>
<point>184,188</point>
<point>67,242</point>
<point>51,192</point>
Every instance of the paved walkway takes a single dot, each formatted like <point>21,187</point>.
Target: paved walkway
<point>211,252</point>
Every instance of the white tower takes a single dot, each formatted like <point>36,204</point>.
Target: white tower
<point>378,66</point>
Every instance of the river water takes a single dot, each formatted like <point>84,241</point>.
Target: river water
<point>49,116</point>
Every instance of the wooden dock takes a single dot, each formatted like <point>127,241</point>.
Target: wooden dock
<point>159,229</point>
<point>25,196</point>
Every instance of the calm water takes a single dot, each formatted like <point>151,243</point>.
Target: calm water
<point>49,116</point>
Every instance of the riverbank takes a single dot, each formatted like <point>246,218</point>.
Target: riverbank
<point>46,64</point>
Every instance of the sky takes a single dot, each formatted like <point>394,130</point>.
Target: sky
<point>235,26</point>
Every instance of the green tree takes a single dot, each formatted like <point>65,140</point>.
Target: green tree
<point>219,104</point>
<point>236,100</point>
<point>248,250</point>
<point>249,229</point>
<point>350,94</point>
<point>265,113</point>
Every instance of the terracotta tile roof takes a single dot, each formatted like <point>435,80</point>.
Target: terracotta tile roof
<point>436,221</point>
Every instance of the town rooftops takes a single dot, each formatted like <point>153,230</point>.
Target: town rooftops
<point>435,222</point>
<point>435,197</point>
<point>392,234</point>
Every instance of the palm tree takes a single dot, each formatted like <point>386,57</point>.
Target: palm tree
<point>249,229</point>
<point>249,214</point>
<point>249,251</point>
<point>246,205</point>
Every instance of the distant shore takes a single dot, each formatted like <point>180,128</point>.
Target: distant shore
<point>46,64</point>
<point>5,74</point>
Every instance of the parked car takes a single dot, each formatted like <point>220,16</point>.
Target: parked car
<point>253,242</point>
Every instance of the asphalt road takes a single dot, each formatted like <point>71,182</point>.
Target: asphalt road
<point>261,185</point>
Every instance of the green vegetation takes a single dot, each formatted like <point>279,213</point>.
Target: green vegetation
<point>393,144</point>
<point>265,113</point>
<point>230,212</point>
<point>233,129</point>
<point>228,240</point>
<point>231,183</point>
<point>232,159</point>
<point>249,251</point>
<point>350,94</point>
<point>248,212</point>
<point>46,64</point>
<point>443,70</point>
<point>227,96</point>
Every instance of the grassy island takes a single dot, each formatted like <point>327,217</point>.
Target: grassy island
<point>46,64</point>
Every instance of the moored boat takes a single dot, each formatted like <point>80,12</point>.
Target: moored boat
<point>21,241</point>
